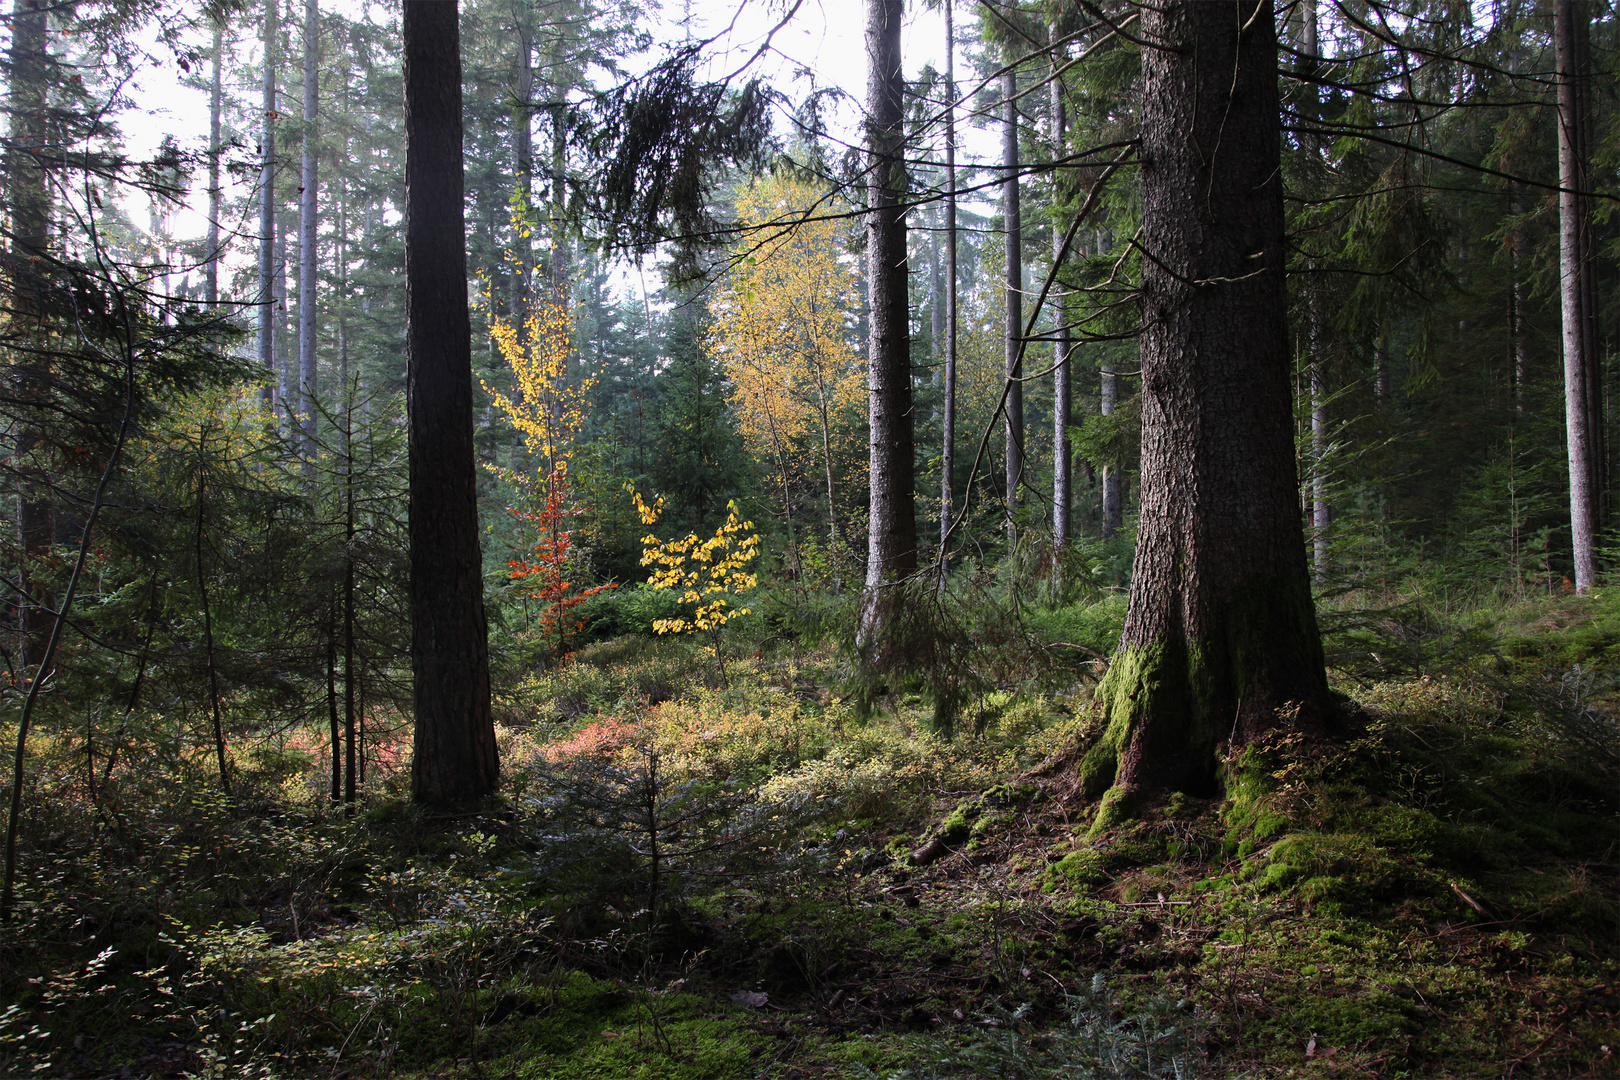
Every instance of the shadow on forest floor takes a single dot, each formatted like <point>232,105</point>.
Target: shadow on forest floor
<point>751,881</point>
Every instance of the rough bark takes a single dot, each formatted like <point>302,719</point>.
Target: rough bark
<point>455,756</point>
<point>268,300</point>
<point>1013,222</point>
<point>892,528</point>
<point>1582,384</point>
<point>1220,644</point>
<point>308,231</point>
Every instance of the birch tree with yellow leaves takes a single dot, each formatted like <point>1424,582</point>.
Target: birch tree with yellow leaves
<point>782,331</point>
<point>544,407</point>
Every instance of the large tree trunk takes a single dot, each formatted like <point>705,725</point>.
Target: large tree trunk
<point>1013,221</point>
<point>948,411</point>
<point>308,231</point>
<point>892,527</point>
<point>455,756</point>
<point>1220,644</point>
<point>268,300</point>
<point>1583,404</point>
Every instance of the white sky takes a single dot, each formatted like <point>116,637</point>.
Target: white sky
<point>825,37</point>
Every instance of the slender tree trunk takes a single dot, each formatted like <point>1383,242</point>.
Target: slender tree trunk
<point>1519,258</point>
<point>1589,300</point>
<point>523,148</point>
<point>936,299</point>
<point>947,501</point>
<point>892,527</point>
<point>268,300</point>
<point>782,472</point>
<point>286,362</point>
<point>207,609</point>
<point>8,878</point>
<point>1061,394</point>
<point>332,708</point>
<point>1015,301</point>
<point>215,149</point>
<point>348,617</point>
<point>28,191</point>
<point>455,756</point>
<point>1220,644</point>
<point>1381,371</point>
<point>834,547</point>
<point>1321,514</point>
<point>308,232</point>
<point>1582,407</point>
<point>559,198</point>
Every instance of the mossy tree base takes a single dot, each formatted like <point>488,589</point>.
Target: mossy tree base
<point>1220,645</point>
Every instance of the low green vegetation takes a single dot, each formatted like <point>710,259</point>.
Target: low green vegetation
<point>798,873</point>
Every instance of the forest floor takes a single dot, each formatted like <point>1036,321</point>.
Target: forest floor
<point>690,876</point>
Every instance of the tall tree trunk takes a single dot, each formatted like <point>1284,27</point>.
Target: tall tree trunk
<point>28,191</point>
<point>1013,220</point>
<point>1582,405</point>
<point>936,299</point>
<point>1321,514</point>
<point>286,362</point>
<point>349,530</point>
<point>268,299</point>
<point>308,231</point>
<point>1519,260</point>
<point>336,732</point>
<point>1061,497</point>
<point>947,502</point>
<point>834,546</point>
<point>559,196</point>
<point>455,757</point>
<point>1220,642</point>
<point>1114,490</point>
<point>207,609</point>
<point>215,149</point>
<point>348,613</point>
<point>523,148</point>
<point>892,527</point>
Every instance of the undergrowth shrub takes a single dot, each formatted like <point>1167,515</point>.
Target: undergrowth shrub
<point>616,833</point>
<point>1161,1039</point>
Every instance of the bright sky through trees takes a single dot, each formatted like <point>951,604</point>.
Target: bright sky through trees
<point>819,47</point>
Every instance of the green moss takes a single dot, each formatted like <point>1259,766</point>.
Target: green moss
<point>1118,806</point>
<point>1098,769</point>
<point>958,824</point>
<point>583,1028</point>
<point>1083,869</point>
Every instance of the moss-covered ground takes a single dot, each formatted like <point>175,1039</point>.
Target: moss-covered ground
<point>684,879</point>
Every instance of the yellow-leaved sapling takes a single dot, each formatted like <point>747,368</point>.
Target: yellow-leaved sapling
<point>710,573</point>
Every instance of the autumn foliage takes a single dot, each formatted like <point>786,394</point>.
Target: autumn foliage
<point>545,573</point>
<point>709,573</point>
<point>542,406</point>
